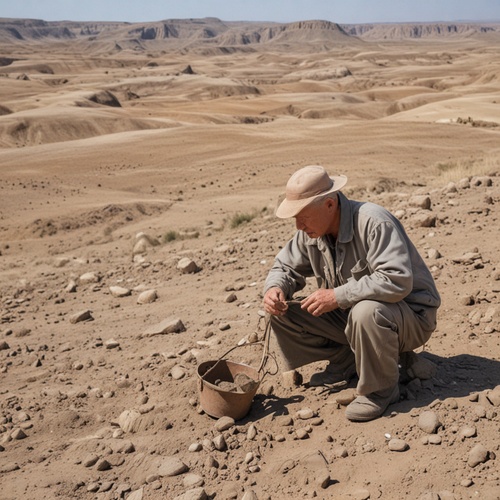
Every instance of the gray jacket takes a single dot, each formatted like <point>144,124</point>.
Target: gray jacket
<point>373,259</point>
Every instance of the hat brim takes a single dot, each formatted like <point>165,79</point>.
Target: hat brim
<point>290,208</point>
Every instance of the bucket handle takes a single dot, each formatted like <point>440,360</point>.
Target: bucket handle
<point>265,353</point>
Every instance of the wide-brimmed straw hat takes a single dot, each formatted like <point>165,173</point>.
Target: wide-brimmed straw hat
<point>304,186</point>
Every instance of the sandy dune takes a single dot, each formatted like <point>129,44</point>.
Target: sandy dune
<point>186,131</point>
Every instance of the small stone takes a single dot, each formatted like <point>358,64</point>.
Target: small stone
<point>224,423</point>
<point>249,495</point>
<point>193,480</point>
<point>220,443</point>
<point>361,494</point>
<point>305,414</point>
<point>467,432</point>
<point>187,266</point>
<point>301,434</point>
<point>252,432</point>
<point>323,479</point>
<point>18,434</point>
<point>230,298</point>
<point>195,447</point>
<point>85,315</point>
<point>435,439</point>
<point>106,486</point>
<point>119,291</point>
<point>429,422</point>
<point>103,465</point>
<point>178,372</point>
<point>292,379</point>
<point>194,494</point>
<point>494,396</point>
<point>147,297</point>
<point>90,460</point>
<point>397,445</point>
<point>89,278</point>
<point>172,466</point>
<point>478,455</point>
<point>111,344</point>
<point>420,201</point>
<point>4,346</point>
<point>168,325</point>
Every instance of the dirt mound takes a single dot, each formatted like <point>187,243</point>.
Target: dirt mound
<point>111,216</point>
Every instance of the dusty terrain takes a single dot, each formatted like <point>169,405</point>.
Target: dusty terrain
<point>140,168</point>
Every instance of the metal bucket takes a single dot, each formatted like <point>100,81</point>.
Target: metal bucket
<point>218,402</point>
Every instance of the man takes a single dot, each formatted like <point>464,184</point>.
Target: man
<point>376,298</point>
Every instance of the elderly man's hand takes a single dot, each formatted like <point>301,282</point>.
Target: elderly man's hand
<point>319,302</point>
<point>275,302</point>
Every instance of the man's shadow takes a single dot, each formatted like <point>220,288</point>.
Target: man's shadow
<point>455,377</point>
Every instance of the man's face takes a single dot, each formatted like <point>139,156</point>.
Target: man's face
<point>316,219</point>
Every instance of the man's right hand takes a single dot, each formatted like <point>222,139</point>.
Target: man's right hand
<point>275,302</point>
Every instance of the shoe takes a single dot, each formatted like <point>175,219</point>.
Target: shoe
<point>333,375</point>
<point>371,406</point>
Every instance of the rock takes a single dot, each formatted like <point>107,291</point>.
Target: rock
<point>193,480</point>
<point>220,443</point>
<point>305,414</point>
<point>478,455</point>
<point>168,325</point>
<point>88,278</point>
<point>71,287</point>
<point>111,344</point>
<point>90,460</point>
<point>187,266</point>
<point>361,494</point>
<point>292,379</point>
<point>494,396</point>
<point>106,486</point>
<point>178,372</point>
<point>8,467</point>
<point>424,220</point>
<point>4,346</point>
<point>129,420</point>
<point>467,431</point>
<point>249,495</point>
<point>224,423</point>
<point>103,465</point>
<point>433,254</point>
<point>420,201</point>
<point>18,434</point>
<point>429,422</point>
<point>194,494</point>
<point>119,291</point>
<point>172,466</point>
<point>147,297</point>
<point>230,297</point>
<point>397,445</point>
<point>136,495</point>
<point>417,366</point>
<point>244,383</point>
<point>85,315</point>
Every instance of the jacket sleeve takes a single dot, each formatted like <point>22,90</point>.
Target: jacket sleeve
<point>291,267</point>
<point>386,275</point>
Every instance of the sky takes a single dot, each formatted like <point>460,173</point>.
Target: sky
<point>284,11</point>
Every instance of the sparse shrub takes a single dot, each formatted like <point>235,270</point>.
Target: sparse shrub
<point>170,236</point>
<point>454,170</point>
<point>240,218</point>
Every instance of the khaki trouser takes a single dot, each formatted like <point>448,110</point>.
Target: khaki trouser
<point>376,332</point>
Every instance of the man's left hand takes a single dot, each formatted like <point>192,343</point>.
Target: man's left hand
<point>319,302</point>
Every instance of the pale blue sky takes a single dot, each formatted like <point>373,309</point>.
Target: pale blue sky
<point>339,11</point>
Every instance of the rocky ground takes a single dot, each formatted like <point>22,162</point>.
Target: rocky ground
<point>100,346</point>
